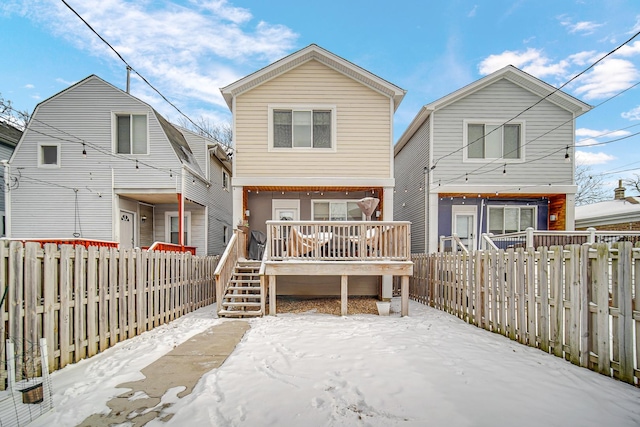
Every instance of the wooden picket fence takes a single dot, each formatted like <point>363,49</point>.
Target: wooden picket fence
<point>580,302</point>
<point>84,301</point>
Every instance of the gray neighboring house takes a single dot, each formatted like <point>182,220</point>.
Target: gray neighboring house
<point>9,137</point>
<point>620,214</point>
<point>494,156</point>
<point>97,163</point>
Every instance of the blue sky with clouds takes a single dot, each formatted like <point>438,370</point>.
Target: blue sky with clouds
<point>189,49</point>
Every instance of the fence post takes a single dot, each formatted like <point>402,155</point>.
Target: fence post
<point>592,235</point>
<point>625,318</point>
<point>529,237</point>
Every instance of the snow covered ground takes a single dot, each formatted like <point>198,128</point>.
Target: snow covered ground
<point>428,369</point>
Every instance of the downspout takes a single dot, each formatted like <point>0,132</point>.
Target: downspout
<point>7,198</point>
<point>181,211</point>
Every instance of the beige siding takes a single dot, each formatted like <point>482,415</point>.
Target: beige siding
<point>363,127</point>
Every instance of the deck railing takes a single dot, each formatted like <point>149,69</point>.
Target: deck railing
<point>236,249</point>
<point>531,238</point>
<point>338,240</point>
<point>171,247</point>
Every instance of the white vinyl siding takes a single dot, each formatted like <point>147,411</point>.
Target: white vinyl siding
<point>362,131</point>
<point>511,219</point>
<point>545,128</point>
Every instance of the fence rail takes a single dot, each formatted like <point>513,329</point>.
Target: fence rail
<point>580,302</point>
<point>84,301</point>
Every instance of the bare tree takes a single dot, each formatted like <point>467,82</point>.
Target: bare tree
<point>222,133</point>
<point>633,182</point>
<point>10,115</point>
<point>591,187</point>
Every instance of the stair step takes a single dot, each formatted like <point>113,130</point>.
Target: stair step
<point>244,281</point>
<point>241,304</point>
<point>248,288</point>
<point>246,299</point>
<point>238,313</point>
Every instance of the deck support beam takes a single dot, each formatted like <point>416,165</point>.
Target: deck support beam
<point>272,295</point>
<point>404,295</point>
<point>344,294</point>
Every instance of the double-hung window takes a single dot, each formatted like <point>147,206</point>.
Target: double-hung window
<point>225,180</point>
<point>131,133</point>
<point>173,228</point>
<point>302,128</point>
<point>511,219</point>
<point>494,141</point>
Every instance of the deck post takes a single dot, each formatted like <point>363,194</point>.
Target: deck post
<point>343,294</point>
<point>272,295</point>
<point>404,295</point>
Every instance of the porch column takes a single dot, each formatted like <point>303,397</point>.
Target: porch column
<point>387,214</point>
<point>344,295</point>
<point>570,207</point>
<point>238,208</point>
<point>432,219</point>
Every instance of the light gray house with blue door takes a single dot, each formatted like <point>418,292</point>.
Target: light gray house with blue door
<point>97,163</point>
<point>494,156</point>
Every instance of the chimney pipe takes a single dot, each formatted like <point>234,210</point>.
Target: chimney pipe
<point>128,78</point>
<point>618,193</point>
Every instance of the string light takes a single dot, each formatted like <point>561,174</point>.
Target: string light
<point>84,151</point>
<point>504,169</point>
<point>466,177</point>
<point>566,155</point>
<point>137,167</point>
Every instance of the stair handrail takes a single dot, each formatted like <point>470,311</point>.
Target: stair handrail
<point>226,265</point>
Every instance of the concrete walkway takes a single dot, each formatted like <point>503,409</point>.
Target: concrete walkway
<point>182,367</point>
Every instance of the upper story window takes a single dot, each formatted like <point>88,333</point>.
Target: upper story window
<point>48,155</point>
<point>494,141</point>
<point>302,127</point>
<point>225,180</point>
<point>131,134</point>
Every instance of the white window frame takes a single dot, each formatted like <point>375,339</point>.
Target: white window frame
<point>519,207</point>
<point>167,226</point>
<point>491,122</point>
<point>225,180</point>
<point>303,107</point>
<point>41,163</point>
<point>314,201</point>
<point>114,131</point>
<point>225,234</point>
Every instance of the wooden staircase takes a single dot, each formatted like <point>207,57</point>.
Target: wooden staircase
<point>243,297</point>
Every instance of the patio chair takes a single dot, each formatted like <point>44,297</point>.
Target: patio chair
<point>301,245</point>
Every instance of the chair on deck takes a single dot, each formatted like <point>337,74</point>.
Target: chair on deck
<point>300,245</point>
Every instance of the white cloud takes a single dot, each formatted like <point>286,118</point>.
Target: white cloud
<point>583,27</point>
<point>586,158</point>
<point>594,136</point>
<point>473,11</point>
<point>532,61</point>
<point>633,114</point>
<point>636,27</point>
<point>607,78</point>
<point>585,58</point>
<point>628,50</point>
<point>29,86</point>
<point>186,51</point>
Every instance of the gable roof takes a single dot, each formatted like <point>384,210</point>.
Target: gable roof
<point>313,52</point>
<point>514,75</point>
<point>174,136</point>
<point>608,212</point>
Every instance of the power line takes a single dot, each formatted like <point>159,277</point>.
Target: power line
<point>540,100</point>
<point>129,67</point>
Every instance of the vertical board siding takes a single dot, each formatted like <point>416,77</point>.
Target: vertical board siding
<point>363,129</point>
<point>409,199</point>
<point>85,301</point>
<point>580,303</point>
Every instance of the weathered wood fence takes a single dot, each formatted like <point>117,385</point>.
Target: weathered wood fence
<point>579,302</point>
<point>84,301</point>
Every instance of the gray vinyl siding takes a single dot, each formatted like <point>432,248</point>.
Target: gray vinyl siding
<point>502,101</point>
<point>197,237</point>
<point>409,170</point>
<point>220,211</point>
<point>5,154</point>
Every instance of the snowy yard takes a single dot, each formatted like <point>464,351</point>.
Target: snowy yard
<point>428,369</point>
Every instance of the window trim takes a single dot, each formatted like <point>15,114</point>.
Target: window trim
<point>519,207</point>
<point>314,201</point>
<point>167,225</point>
<point>114,131</point>
<point>43,165</point>
<point>303,107</point>
<point>492,122</point>
<point>226,182</point>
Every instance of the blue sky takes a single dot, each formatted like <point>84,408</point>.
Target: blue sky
<point>189,49</point>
